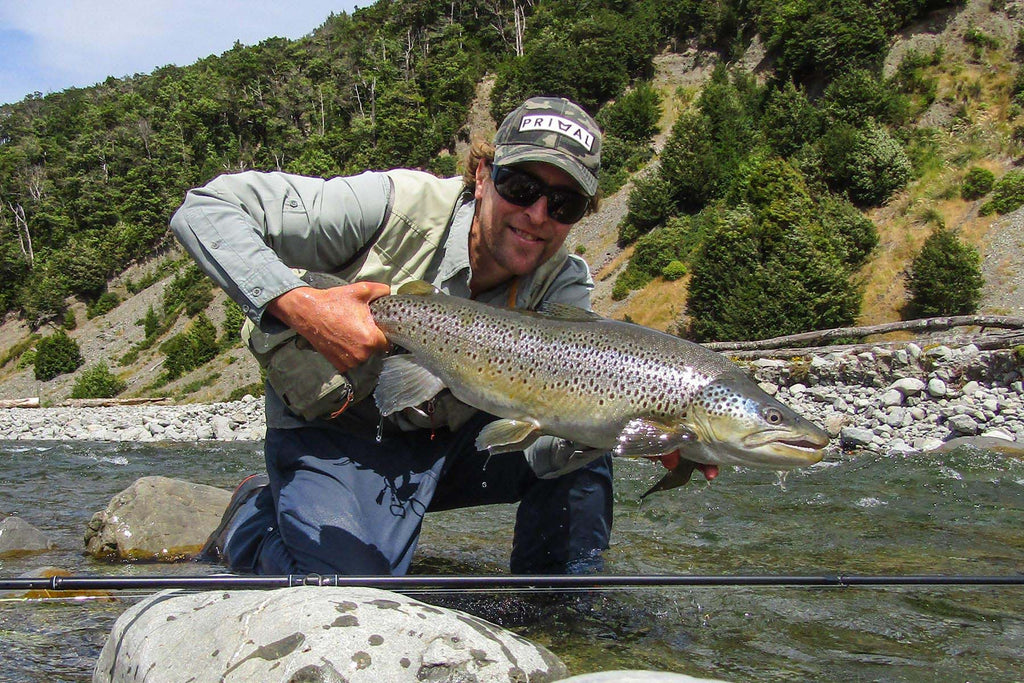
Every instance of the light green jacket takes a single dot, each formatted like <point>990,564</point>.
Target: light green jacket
<point>249,230</point>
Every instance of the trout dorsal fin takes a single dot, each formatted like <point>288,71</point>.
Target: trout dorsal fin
<point>418,288</point>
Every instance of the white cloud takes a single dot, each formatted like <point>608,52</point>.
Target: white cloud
<point>65,43</point>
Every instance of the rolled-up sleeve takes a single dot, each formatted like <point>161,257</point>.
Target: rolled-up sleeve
<point>248,230</point>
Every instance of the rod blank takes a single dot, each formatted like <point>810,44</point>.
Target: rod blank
<point>495,582</point>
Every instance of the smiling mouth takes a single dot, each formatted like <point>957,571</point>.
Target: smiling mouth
<point>525,235</point>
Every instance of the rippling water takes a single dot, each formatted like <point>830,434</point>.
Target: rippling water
<point>959,513</point>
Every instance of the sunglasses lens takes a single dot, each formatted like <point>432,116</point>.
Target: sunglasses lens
<point>517,187</point>
<point>522,189</point>
<point>567,207</point>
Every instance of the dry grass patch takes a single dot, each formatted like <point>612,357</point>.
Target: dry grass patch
<point>660,305</point>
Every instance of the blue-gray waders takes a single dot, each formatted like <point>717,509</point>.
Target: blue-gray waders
<point>343,504</point>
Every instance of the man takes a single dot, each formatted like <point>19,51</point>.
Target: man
<point>347,490</point>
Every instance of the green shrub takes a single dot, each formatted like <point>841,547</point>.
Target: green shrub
<point>97,382</point>
<point>858,95</point>
<point>70,321</point>
<point>233,320</point>
<point>977,183</point>
<point>151,323</point>
<point>756,276</point>
<point>945,277</point>
<point>20,350</point>
<point>867,165</point>
<point>674,270</point>
<point>633,117</point>
<point>853,233</point>
<point>27,360</point>
<point>443,166</point>
<point>1007,194</point>
<point>673,242</point>
<point>190,290</point>
<point>789,120</point>
<point>56,355</point>
<point>191,348</point>
<point>706,148</point>
<point>619,159</point>
<point>621,288</point>
<point>650,203</point>
<point>254,389</point>
<point>106,302</point>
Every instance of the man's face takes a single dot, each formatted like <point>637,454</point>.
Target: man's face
<point>510,240</point>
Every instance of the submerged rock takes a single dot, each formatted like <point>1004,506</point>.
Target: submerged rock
<point>313,633</point>
<point>18,537</point>
<point>156,518</point>
<point>987,443</point>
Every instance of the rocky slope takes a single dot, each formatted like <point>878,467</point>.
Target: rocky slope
<point>1000,241</point>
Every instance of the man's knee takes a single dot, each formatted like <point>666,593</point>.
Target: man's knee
<point>563,525</point>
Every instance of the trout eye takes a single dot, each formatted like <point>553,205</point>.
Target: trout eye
<point>773,416</point>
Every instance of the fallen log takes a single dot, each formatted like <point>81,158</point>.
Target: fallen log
<point>792,341</point>
<point>20,402</point>
<point>108,402</point>
<point>987,342</point>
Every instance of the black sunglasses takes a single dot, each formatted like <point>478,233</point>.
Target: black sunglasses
<point>522,189</point>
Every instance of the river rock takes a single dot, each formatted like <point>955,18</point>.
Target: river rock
<point>892,397</point>
<point>908,386</point>
<point>963,424</point>
<point>936,388</point>
<point>313,633</point>
<point>156,518</point>
<point>18,537</point>
<point>856,437</point>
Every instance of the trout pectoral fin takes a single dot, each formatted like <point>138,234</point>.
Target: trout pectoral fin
<point>644,436</point>
<point>404,383</point>
<point>505,436</point>
<point>675,477</point>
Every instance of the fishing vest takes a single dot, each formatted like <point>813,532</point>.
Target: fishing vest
<point>408,246</point>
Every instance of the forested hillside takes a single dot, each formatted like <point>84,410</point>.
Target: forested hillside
<point>761,202</point>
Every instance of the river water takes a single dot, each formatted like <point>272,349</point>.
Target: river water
<point>958,513</point>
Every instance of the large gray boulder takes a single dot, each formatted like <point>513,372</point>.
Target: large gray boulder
<point>156,519</point>
<point>313,633</point>
<point>18,537</point>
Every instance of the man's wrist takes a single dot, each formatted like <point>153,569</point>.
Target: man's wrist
<point>291,307</point>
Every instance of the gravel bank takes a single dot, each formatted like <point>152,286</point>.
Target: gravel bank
<point>883,400</point>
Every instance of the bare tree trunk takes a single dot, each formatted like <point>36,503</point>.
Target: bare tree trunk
<point>323,117</point>
<point>520,26</point>
<point>24,236</point>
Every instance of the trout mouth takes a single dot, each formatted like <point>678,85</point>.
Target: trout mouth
<point>788,448</point>
<point>808,441</point>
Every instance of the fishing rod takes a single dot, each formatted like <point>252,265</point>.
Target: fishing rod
<point>495,582</point>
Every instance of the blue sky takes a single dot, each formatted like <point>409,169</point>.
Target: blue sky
<point>49,45</point>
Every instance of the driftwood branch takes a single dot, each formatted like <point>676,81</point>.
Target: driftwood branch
<point>20,402</point>
<point>983,342</point>
<point>792,341</point>
<point>106,402</point>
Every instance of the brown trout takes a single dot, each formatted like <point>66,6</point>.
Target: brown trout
<point>600,383</point>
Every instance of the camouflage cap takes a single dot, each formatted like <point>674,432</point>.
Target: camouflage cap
<point>555,131</point>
